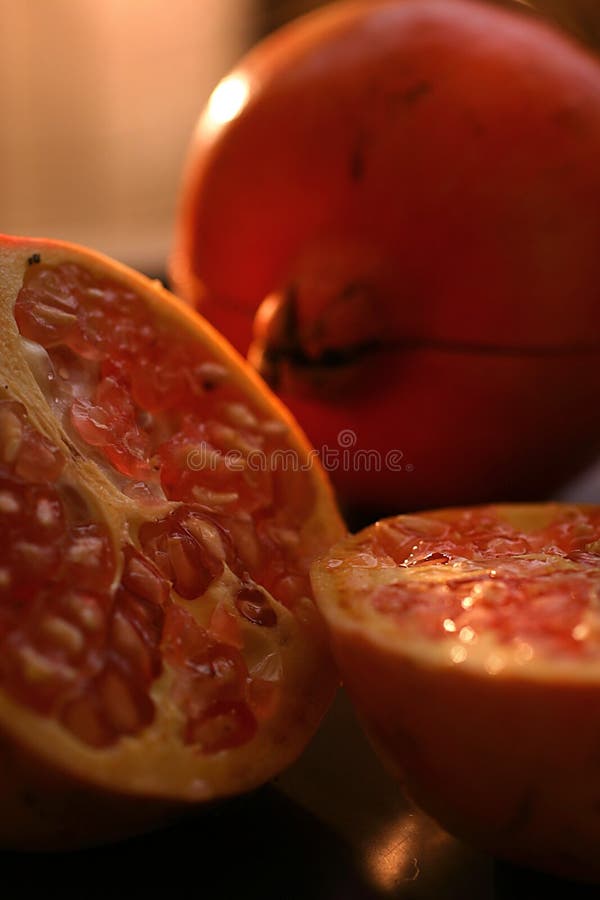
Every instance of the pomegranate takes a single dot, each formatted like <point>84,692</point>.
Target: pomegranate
<point>469,640</point>
<point>159,643</point>
<point>415,193</point>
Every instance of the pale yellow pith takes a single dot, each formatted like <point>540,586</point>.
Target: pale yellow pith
<point>156,762</point>
<point>346,580</point>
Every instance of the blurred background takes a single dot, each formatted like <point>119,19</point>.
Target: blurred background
<point>98,101</point>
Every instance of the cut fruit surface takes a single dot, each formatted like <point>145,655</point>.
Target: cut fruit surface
<point>469,640</point>
<point>158,637</point>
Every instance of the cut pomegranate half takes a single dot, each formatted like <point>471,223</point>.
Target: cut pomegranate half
<point>159,508</point>
<point>469,640</point>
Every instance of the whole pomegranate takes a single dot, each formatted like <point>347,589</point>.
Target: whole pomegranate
<point>393,208</point>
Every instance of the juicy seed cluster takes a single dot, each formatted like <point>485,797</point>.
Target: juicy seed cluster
<point>474,574</point>
<point>89,627</point>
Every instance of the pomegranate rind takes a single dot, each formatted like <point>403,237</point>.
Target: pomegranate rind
<point>507,760</point>
<point>418,133</point>
<point>154,769</point>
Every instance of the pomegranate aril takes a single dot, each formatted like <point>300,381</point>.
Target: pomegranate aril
<point>39,459</point>
<point>427,558</point>
<point>288,589</point>
<point>208,535</point>
<point>108,708</point>
<point>140,650</point>
<point>294,495</point>
<point>115,332</point>
<point>190,578</point>
<point>108,421</point>
<point>62,638</point>
<point>206,671</point>
<point>181,633</point>
<point>224,626</point>
<point>144,579</point>
<point>59,626</point>
<point>31,676</point>
<point>252,604</point>
<point>194,465</point>
<point>584,558</point>
<point>11,432</point>
<point>83,719</point>
<point>188,549</point>
<point>92,423</point>
<point>73,377</point>
<point>127,644</point>
<point>46,308</point>
<point>88,559</point>
<point>221,727</point>
<point>89,612</point>
<point>45,518</point>
<point>162,386</point>
<point>125,708</point>
<point>31,565</point>
<point>222,668</point>
<point>23,449</point>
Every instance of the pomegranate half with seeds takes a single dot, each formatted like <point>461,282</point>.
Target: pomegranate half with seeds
<point>469,640</point>
<point>159,510</point>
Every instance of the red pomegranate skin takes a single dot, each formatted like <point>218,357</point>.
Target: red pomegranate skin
<point>414,186</point>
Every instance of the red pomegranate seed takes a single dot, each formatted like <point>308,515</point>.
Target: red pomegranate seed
<point>23,449</point>
<point>136,632</point>
<point>191,579</point>
<point>108,421</point>
<point>70,625</point>
<point>127,645</point>
<point>208,671</point>
<point>11,432</point>
<point>93,423</point>
<point>32,676</point>
<point>188,549</point>
<point>224,626</point>
<point>46,309</point>
<point>89,612</point>
<point>38,459</point>
<point>181,635</point>
<point>255,607</point>
<point>221,727</point>
<point>125,707</point>
<point>88,559</point>
<point>60,638</point>
<point>165,384</point>
<point>144,579</point>
<point>288,589</point>
<point>221,667</point>
<point>83,719</point>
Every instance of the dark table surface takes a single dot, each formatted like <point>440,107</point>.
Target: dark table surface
<point>333,827</point>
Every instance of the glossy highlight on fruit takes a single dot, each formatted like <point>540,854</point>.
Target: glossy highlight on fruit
<point>392,208</point>
<point>159,643</point>
<point>469,640</point>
